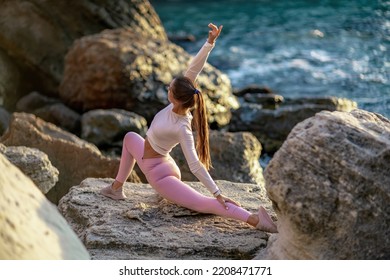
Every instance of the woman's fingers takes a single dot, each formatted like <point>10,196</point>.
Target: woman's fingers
<point>213,26</point>
<point>215,30</point>
<point>222,201</point>
<point>232,201</point>
<point>220,29</point>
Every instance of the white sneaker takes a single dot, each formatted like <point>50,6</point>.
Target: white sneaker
<point>113,194</point>
<point>265,222</point>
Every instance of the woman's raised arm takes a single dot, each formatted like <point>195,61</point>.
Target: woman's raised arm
<point>200,59</point>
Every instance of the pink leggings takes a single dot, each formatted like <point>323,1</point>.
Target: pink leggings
<point>164,176</point>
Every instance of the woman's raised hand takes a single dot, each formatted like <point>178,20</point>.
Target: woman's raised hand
<point>214,33</point>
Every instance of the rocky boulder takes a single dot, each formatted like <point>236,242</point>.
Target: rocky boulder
<point>146,226</point>
<point>122,69</point>
<point>11,81</point>
<point>51,110</point>
<point>108,127</point>
<point>31,228</point>
<point>267,101</point>
<point>62,116</point>
<point>272,126</point>
<point>34,164</point>
<point>330,186</point>
<point>235,158</point>
<point>34,101</point>
<point>4,120</point>
<point>252,89</point>
<point>257,94</point>
<point>75,159</point>
<point>26,24</point>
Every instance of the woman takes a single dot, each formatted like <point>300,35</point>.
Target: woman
<point>171,126</point>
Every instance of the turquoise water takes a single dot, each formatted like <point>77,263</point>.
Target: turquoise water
<point>297,48</point>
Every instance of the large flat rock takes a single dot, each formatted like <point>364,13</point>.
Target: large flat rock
<point>146,226</point>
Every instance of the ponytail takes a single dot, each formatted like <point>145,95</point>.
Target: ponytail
<point>184,90</point>
<point>201,126</point>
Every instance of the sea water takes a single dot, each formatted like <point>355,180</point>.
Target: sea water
<point>296,48</point>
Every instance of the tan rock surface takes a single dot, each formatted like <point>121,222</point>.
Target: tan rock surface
<point>145,226</point>
<point>330,184</point>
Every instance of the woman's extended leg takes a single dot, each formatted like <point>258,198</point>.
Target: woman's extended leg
<point>166,181</point>
<point>180,193</point>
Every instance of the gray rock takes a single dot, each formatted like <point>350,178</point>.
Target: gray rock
<point>121,69</point>
<point>330,186</point>
<point>267,101</point>
<point>62,116</point>
<point>4,120</point>
<point>51,110</point>
<point>253,89</point>
<point>11,82</point>
<point>145,226</point>
<point>333,103</point>
<point>235,158</point>
<point>272,127</point>
<point>105,127</point>
<point>75,158</point>
<point>33,101</point>
<point>31,228</point>
<point>34,164</point>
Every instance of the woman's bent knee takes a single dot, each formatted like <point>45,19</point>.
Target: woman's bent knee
<point>132,135</point>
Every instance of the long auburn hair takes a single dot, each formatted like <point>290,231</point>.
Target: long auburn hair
<point>186,93</point>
